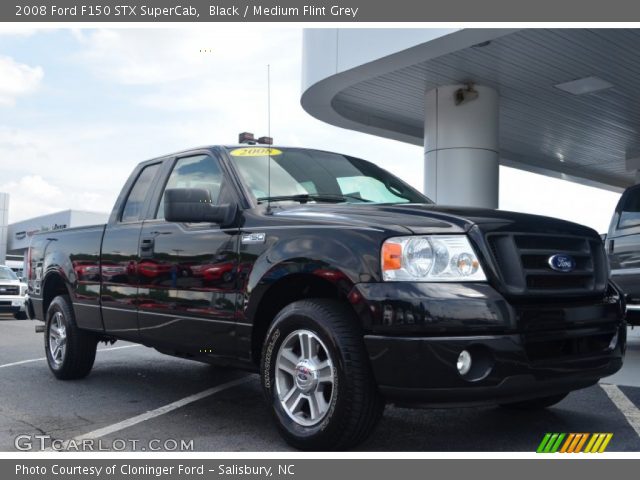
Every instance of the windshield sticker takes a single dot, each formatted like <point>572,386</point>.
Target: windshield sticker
<point>255,152</point>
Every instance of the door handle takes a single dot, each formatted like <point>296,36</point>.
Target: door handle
<point>610,246</point>
<point>146,247</point>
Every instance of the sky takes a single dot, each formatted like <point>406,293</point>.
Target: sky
<point>80,108</point>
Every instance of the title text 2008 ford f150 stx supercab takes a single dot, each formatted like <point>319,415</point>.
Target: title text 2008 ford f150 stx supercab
<point>341,285</point>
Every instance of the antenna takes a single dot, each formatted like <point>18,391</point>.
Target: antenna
<point>269,135</point>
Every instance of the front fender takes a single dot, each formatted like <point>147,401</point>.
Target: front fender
<point>342,260</point>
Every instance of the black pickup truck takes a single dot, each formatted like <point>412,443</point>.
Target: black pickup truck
<point>344,287</point>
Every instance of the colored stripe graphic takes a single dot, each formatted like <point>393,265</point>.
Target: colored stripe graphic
<point>551,443</point>
<point>598,443</point>
<point>574,442</point>
<point>605,444</point>
<point>578,448</point>
<point>543,444</point>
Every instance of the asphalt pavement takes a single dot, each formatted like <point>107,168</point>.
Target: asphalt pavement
<point>138,399</point>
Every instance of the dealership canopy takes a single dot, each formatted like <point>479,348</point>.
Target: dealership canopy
<point>560,102</point>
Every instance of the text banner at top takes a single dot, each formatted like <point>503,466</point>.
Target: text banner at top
<point>319,11</point>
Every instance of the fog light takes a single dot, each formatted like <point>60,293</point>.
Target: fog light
<point>464,362</point>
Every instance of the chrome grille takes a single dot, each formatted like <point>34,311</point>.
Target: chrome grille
<point>9,290</point>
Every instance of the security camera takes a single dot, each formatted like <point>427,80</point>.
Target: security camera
<point>465,95</point>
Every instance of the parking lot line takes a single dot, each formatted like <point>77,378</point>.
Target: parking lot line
<point>22,362</point>
<point>109,429</point>
<point>626,406</point>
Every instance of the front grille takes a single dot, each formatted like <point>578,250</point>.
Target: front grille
<point>522,261</point>
<point>9,290</point>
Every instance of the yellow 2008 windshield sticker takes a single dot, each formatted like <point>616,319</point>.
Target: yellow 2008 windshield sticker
<point>255,152</point>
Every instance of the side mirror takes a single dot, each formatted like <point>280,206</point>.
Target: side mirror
<point>194,205</point>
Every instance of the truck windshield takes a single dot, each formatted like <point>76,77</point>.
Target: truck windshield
<point>7,274</point>
<point>301,175</point>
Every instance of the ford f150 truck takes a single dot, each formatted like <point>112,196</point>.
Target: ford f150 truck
<point>344,287</point>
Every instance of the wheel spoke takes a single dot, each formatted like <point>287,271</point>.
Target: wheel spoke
<point>323,406</point>
<point>325,372</point>
<point>293,402</point>
<point>314,406</point>
<point>289,394</point>
<point>307,346</point>
<point>288,362</point>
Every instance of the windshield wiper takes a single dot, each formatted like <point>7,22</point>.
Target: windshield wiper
<point>315,197</point>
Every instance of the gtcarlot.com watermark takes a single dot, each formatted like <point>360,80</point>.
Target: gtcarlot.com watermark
<point>27,443</point>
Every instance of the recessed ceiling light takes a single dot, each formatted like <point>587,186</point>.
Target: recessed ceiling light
<point>584,85</point>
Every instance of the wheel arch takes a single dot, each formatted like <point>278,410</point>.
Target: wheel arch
<point>54,285</point>
<point>269,300</point>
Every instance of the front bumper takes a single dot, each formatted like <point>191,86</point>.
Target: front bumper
<point>415,333</point>
<point>11,304</point>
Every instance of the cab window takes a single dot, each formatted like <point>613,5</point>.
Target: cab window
<point>135,201</point>
<point>200,171</point>
<point>630,213</point>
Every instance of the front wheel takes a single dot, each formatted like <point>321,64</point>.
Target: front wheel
<point>20,315</point>
<point>536,403</point>
<point>70,351</point>
<point>316,376</point>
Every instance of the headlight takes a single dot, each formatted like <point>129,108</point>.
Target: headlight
<point>23,290</point>
<point>430,258</point>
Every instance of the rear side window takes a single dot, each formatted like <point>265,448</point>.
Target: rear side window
<point>630,214</point>
<point>200,171</point>
<point>133,207</point>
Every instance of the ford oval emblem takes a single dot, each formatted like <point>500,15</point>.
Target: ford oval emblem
<point>562,263</point>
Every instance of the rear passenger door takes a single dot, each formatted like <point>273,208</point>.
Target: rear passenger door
<point>119,256</point>
<point>189,272</point>
<point>623,244</point>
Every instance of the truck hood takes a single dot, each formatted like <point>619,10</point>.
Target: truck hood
<point>428,218</point>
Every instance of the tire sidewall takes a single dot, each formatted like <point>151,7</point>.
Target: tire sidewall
<point>285,324</point>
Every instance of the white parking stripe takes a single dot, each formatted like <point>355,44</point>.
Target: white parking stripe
<point>22,362</point>
<point>626,406</point>
<point>101,432</point>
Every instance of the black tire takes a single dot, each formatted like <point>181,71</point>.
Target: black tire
<point>355,406</point>
<point>536,403</point>
<point>20,315</point>
<point>76,359</point>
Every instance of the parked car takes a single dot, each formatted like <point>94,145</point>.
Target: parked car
<point>12,293</point>
<point>344,287</point>
<point>623,248</point>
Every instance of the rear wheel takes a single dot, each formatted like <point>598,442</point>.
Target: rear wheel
<point>70,351</point>
<point>316,376</point>
<point>536,403</point>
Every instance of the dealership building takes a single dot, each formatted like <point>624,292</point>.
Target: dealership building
<point>15,237</point>
<point>561,102</point>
